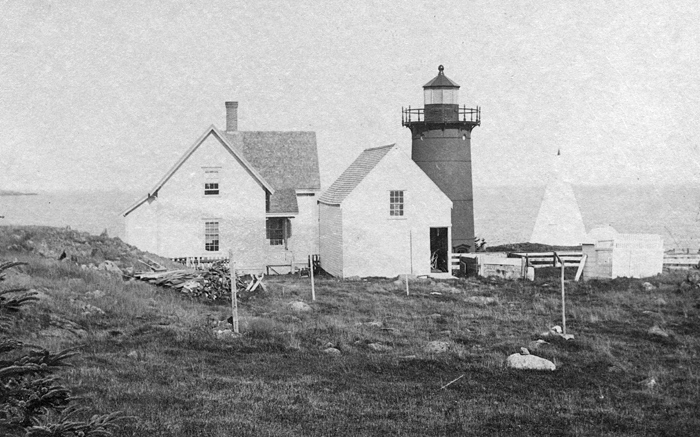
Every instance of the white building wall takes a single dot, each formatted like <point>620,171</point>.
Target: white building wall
<point>141,228</point>
<point>304,241</point>
<point>331,239</point>
<point>182,209</point>
<point>377,244</point>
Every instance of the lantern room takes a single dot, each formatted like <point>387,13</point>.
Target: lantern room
<point>441,90</point>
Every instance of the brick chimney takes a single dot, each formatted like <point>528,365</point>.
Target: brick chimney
<point>231,116</point>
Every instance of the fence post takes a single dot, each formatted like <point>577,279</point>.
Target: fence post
<point>311,274</point>
<point>563,294</point>
<point>234,292</point>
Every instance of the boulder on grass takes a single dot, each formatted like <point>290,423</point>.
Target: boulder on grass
<point>437,347</point>
<point>529,362</point>
<point>299,306</point>
<point>656,330</point>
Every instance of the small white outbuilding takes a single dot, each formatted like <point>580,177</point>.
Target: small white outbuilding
<point>611,254</point>
<point>384,217</point>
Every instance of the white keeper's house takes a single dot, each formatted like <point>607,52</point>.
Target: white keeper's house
<point>384,217</point>
<point>254,193</point>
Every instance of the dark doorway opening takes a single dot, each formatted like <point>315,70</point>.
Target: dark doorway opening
<point>438,250</point>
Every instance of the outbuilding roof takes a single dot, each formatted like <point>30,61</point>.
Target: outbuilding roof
<point>354,174</point>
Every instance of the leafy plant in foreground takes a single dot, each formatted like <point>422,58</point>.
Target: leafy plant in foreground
<point>33,401</point>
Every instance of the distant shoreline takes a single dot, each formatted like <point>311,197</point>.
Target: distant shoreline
<point>16,193</point>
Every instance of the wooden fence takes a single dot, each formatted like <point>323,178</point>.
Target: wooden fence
<point>533,259</point>
<point>573,259</point>
<point>201,263</point>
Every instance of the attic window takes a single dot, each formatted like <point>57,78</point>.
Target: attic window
<point>211,236</point>
<point>396,203</point>
<point>211,181</point>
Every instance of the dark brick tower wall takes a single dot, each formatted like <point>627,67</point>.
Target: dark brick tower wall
<point>441,137</point>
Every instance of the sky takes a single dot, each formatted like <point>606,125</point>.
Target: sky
<point>103,95</point>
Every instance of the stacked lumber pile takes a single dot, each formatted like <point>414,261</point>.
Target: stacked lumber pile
<point>213,283</point>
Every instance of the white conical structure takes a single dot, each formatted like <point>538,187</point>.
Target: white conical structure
<point>559,221</point>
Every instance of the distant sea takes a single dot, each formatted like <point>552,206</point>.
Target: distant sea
<point>502,214</point>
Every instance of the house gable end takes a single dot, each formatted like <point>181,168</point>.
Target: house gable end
<point>211,131</point>
<point>400,173</point>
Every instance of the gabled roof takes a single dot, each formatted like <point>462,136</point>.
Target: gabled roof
<point>354,174</point>
<point>285,159</point>
<point>288,160</point>
<point>230,147</point>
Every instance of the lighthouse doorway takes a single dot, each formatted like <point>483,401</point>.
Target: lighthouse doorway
<point>438,250</point>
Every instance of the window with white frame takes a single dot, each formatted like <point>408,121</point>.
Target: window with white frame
<point>211,181</point>
<point>211,236</point>
<point>396,203</point>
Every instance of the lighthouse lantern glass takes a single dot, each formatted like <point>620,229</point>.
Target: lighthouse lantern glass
<point>441,96</point>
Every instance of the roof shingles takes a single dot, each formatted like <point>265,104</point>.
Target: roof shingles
<point>287,160</point>
<point>354,174</point>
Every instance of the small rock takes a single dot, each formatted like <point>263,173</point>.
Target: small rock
<point>109,266</point>
<point>300,306</point>
<point>331,351</point>
<point>650,382</point>
<point>435,316</point>
<point>436,293</point>
<point>660,301</point>
<point>223,333</point>
<point>534,345</point>
<point>89,310</point>
<point>379,347</point>
<point>437,347</point>
<point>328,345</point>
<point>529,362</point>
<point>648,286</point>
<point>375,324</point>
<point>656,330</point>
<point>480,300</point>
<point>524,351</point>
<point>134,355</point>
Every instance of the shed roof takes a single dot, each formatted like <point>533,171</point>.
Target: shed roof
<point>284,201</point>
<point>353,175</point>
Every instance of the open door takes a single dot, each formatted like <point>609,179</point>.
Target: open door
<point>438,250</point>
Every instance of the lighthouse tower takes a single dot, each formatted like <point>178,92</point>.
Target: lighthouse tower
<point>441,133</point>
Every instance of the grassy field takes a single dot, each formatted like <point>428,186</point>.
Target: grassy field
<point>153,354</point>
